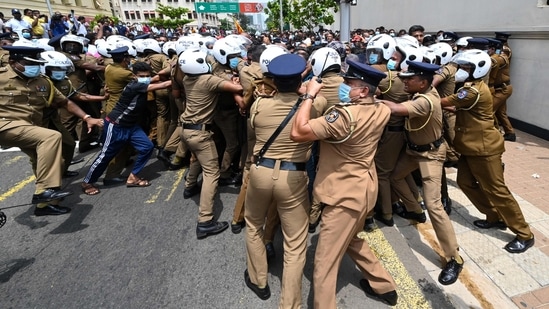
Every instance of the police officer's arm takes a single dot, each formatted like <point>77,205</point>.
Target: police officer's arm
<point>437,79</point>
<point>396,109</point>
<point>74,109</point>
<point>158,86</point>
<point>447,105</point>
<point>301,130</point>
<point>90,98</point>
<point>91,66</point>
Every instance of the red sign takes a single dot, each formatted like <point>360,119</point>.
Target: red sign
<point>250,7</point>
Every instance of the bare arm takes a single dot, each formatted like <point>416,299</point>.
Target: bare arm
<point>396,109</point>
<point>301,130</point>
<point>78,112</point>
<point>158,86</point>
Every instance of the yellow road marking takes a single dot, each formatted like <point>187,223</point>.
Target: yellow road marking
<point>176,183</point>
<point>20,185</point>
<point>409,293</point>
<point>154,196</point>
<point>14,159</point>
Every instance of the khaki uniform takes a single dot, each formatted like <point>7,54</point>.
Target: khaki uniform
<point>158,63</point>
<point>22,102</point>
<point>392,141</point>
<point>346,183</point>
<point>174,143</point>
<point>4,57</point>
<point>286,187</point>
<point>481,146</point>
<point>500,86</point>
<point>430,163</point>
<point>202,94</point>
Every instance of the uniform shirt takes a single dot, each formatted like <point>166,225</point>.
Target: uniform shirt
<point>116,78</point>
<point>158,62</point>
<point>392,89</point>
<point>476,134</point>
<point>78,77</point>
<point>504,75</point>
<point>226,99</point>
<point>131,106</point>
<point>346,173</point>
<point>202,93</point>
<point>330,90</point>
<point>248,75</point>
<point>266,116</point>
<point>420,111</point>
<point>22,101</point>
<point>448,84</point>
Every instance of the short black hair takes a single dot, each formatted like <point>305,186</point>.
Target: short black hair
<point>415,28</point>
<point>141,66</point>
<point>288,83</point>
<point>255,52</point>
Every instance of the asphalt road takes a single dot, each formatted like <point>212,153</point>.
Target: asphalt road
<point>137,248</point>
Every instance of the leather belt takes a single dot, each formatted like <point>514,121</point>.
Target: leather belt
<point>284,165</point>
<point>395,128</point>
<point>199,127</point>
<point>426,147</point>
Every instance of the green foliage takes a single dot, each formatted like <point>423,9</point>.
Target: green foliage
<point>101,18</point>
<point>301,14</point>
<point>225,24</point>
<point>174,15</point>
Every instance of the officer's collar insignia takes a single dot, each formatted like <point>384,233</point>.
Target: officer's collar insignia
<point>41,88</point>
<point>462,94</point>
<point>332,116</point>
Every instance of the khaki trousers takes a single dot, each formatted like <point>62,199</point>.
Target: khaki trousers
<point>227,121</point>
<point>288,189</point>
<point>163,116</point>
<point>388,151</point>
<point>339,227</point>
<point>500,107</point>
<point>174,143</point>
<point>491,196</point>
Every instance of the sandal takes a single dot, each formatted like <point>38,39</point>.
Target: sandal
<point>138,183</point>
<point>89,189</point>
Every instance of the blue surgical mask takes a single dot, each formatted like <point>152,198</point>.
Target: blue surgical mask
<point>343,93</point>
<point>27,35</point>
<point>392,33</point>
<point>377,32</point>
<point>58,75</point>
<point>85,49</point>
<point>373,58</point>
<point>244,54</point>
<point>391,65</point>
<point>31,71</point>
<point>144,80</point>
<point>498,51</point>
<point>233,63</point>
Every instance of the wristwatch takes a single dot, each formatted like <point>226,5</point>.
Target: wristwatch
<point>307,96</point>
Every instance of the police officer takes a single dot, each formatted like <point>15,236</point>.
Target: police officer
<point>346,181</point>
<point>426,150</point>
<point>202,90</point>
<point>279,175</point>
<point>480,170</point>
<point>503,37</point>
<point>24,96</point>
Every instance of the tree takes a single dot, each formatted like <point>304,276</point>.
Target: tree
<point>173,13</point>
<point>301,13</point>
<point>225,24</point>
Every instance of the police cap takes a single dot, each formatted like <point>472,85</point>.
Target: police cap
<point>502,36</point>
<point>141,36</point>
<point>287,65</point>
<point>24,52</point>
<point>6,36</point>
<point>477,43</point>
<point>449,36</point>
<point>419,68</point>
<point>120,51</point>
<point>56,40</point>
<point>364,72</point>
<point>494,43</point>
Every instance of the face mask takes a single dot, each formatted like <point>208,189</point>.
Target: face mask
<point>317,42</point>
<point>372,59</point>
<point>392,33</point>
<point>244,54</point>
<point>498,51</point>
<point>377,32</point>
<point>391,65</point>
<point>440,38</point>
<point>27,35</point>
<point>461,76</point>
<point>31,71</point>
<point>58,75</point>
<point>85,49</point>
<point>144,80</point>
<point>233,63</point>
<point>343,93</point>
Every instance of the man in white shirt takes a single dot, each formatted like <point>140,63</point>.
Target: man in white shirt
<point>16,24</point>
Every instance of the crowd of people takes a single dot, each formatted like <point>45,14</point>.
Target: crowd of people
<point>312,129</point>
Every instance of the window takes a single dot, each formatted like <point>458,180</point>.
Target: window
<point>127,14</point>
<point>189,15</point>
<point>138,14</point>
<point>132,15</point>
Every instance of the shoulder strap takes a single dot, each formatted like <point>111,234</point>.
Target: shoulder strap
<point>431,107</point>
<point>277,131</point>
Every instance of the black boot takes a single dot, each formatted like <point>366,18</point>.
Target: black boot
<point>164,156</point>
<point>205,229</point>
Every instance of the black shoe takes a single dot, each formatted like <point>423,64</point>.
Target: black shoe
<point>175,167</point>
<point>205,229</point>
<point>389,297</point>
<point>447,205</point>
<point>51,210</point>
<point>237,227</point>
<point>164,156</point>
<point>234,180</point>
<point>519,246</point>
<point>379,217</point>
<point>483,224</point>
<point>511,137</point>
<point>90,146</point>
<point>449,164</point>
<point>68,174</point>
<point>191,191</point>
<point>262,293</point>
<point>49,195</point>
<point>422,205</point>
<point>398,207</point>
<point>312,226</point>
<point>271,253</point>
<point>421,218</point>
<point>114,181</point>
<point>76,161</point>
<point>369,224</point>
<point>450,273</point>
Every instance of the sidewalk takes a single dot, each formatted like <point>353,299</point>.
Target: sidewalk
<point>496,278</point>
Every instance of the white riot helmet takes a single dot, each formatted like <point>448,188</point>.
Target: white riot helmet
<point>193,61</point>
<point>33,43</point>
<point>151,44</point>
<point>478,59</point>
<point>132,50</point>
<point>271,52</point>
<point>103,48</point>
<point>324,59</point>
<point>462,42</point>
<point>169,46</point>
<point>138,45</point>
<point>186,42</point>
<point>242,41</point>
<point>381,45</point>
<point>71,38</point>
<point>56,60</point>
<point>116,37</point>
<point>409,52</point>
<point>443,51</point>
<point>429,54</point>
<point>407,40</point>
<point>225,47</point>
<point>43,43</point>
<point>209,42</point>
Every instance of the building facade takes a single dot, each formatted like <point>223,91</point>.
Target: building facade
<point>86,8</point>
